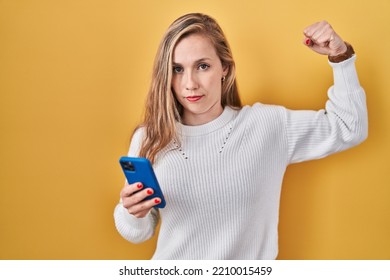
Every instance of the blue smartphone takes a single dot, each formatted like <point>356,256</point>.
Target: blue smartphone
<point>139,169</point>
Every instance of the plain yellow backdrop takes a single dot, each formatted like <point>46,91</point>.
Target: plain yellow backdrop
<point>73,80</point>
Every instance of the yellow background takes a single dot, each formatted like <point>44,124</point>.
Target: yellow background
<point>73,80</point>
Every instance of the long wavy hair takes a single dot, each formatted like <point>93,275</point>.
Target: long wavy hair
<point>162,108</point>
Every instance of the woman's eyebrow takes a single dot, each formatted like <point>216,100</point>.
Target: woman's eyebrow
<point>195,62</point>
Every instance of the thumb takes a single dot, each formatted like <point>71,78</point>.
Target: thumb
<point>318,48</point>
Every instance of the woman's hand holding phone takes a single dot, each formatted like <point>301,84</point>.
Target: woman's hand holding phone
<point>134,199</point>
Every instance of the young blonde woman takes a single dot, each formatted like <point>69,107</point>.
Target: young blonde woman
<point>220,164</point>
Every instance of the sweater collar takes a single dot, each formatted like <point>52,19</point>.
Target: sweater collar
<point>227,115</point>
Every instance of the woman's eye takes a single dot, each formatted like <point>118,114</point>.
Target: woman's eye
<point>177,69</point>
<point>203,66</point>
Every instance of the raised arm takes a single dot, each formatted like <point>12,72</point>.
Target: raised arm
<point>343,123</point>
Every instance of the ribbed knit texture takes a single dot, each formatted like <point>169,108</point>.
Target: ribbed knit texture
<point>222,183</point>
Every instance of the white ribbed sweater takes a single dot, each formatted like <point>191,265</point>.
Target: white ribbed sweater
<point>222,185</point>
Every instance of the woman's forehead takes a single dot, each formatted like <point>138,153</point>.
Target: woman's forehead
<point>193,48</point>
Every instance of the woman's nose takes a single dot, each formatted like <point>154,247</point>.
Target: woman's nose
<point>190,82</point>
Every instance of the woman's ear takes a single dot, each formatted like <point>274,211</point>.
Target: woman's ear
<point>225,69</point>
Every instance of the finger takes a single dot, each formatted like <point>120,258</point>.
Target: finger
<point>315,47</point>
<point>136,198</point>
<point>129,189</point>
<point>322,34</point>
<point>324,38</point>
<point>141,209</point>
<point>311,29</point>
<point>308,42</point>
<point>317,30</point>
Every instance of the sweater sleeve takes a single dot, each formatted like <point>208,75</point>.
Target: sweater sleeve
<point>341,125</point>
<point>133,229</point>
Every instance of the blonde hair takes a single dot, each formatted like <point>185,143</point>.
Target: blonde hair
<point>162,109</point>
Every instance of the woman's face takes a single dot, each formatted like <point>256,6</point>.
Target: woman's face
<point>196,80</point>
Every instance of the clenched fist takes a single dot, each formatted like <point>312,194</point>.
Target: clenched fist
<point>321,38</point>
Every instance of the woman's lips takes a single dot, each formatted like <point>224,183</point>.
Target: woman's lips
<point>194,98</point>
